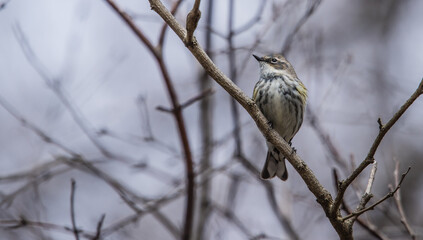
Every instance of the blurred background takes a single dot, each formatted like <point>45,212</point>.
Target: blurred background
<point>79,98</point>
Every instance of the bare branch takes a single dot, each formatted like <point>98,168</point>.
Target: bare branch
<point>371,178</point>
<point>390,194</point>
<point>99,225</point>
<point>72,210</point>
<point>23,222</point>
<point>398,203</point>
<point>190,101</point>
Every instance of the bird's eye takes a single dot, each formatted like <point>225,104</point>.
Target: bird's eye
<point>274,60</point>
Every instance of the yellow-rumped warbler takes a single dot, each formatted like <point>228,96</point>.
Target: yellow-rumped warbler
<point>281,97</point>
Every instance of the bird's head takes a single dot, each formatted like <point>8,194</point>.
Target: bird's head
<point>275,64</point>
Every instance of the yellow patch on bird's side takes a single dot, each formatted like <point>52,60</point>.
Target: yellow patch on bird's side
<point>254,93</point>
<point>303,91</point>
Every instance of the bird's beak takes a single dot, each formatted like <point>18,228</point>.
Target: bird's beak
<point>258,58</point>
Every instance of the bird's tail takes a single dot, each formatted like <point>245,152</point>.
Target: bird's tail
<point>274,166</point>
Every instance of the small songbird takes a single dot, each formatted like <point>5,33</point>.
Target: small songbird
<point>281,97</point>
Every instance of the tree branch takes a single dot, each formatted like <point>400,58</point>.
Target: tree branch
<point>99,226</point>
<point>390,194</point>
<point>72,210</point>
<point>398,203</point>
<point>190,101</point>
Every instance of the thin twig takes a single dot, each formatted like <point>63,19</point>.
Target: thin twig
<point>23,222</point>
<point>99,226</point>
<point>371,178</point>
<point>390,194</point>
<point>367,195</point>
<point>398,203</point>
<point>72,210</point>
<point>190,101</point>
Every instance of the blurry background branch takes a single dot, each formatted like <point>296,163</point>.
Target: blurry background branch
<point>177,112</point>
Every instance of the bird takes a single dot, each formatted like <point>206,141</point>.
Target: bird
<point>281,97</point>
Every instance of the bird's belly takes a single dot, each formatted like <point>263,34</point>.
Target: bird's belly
<point>281,112</point>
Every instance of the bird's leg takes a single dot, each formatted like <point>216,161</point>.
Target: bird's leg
<point>293,148</point>
<point>270,124</point>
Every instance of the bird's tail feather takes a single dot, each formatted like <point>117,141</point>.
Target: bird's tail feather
<point>274,167</point>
